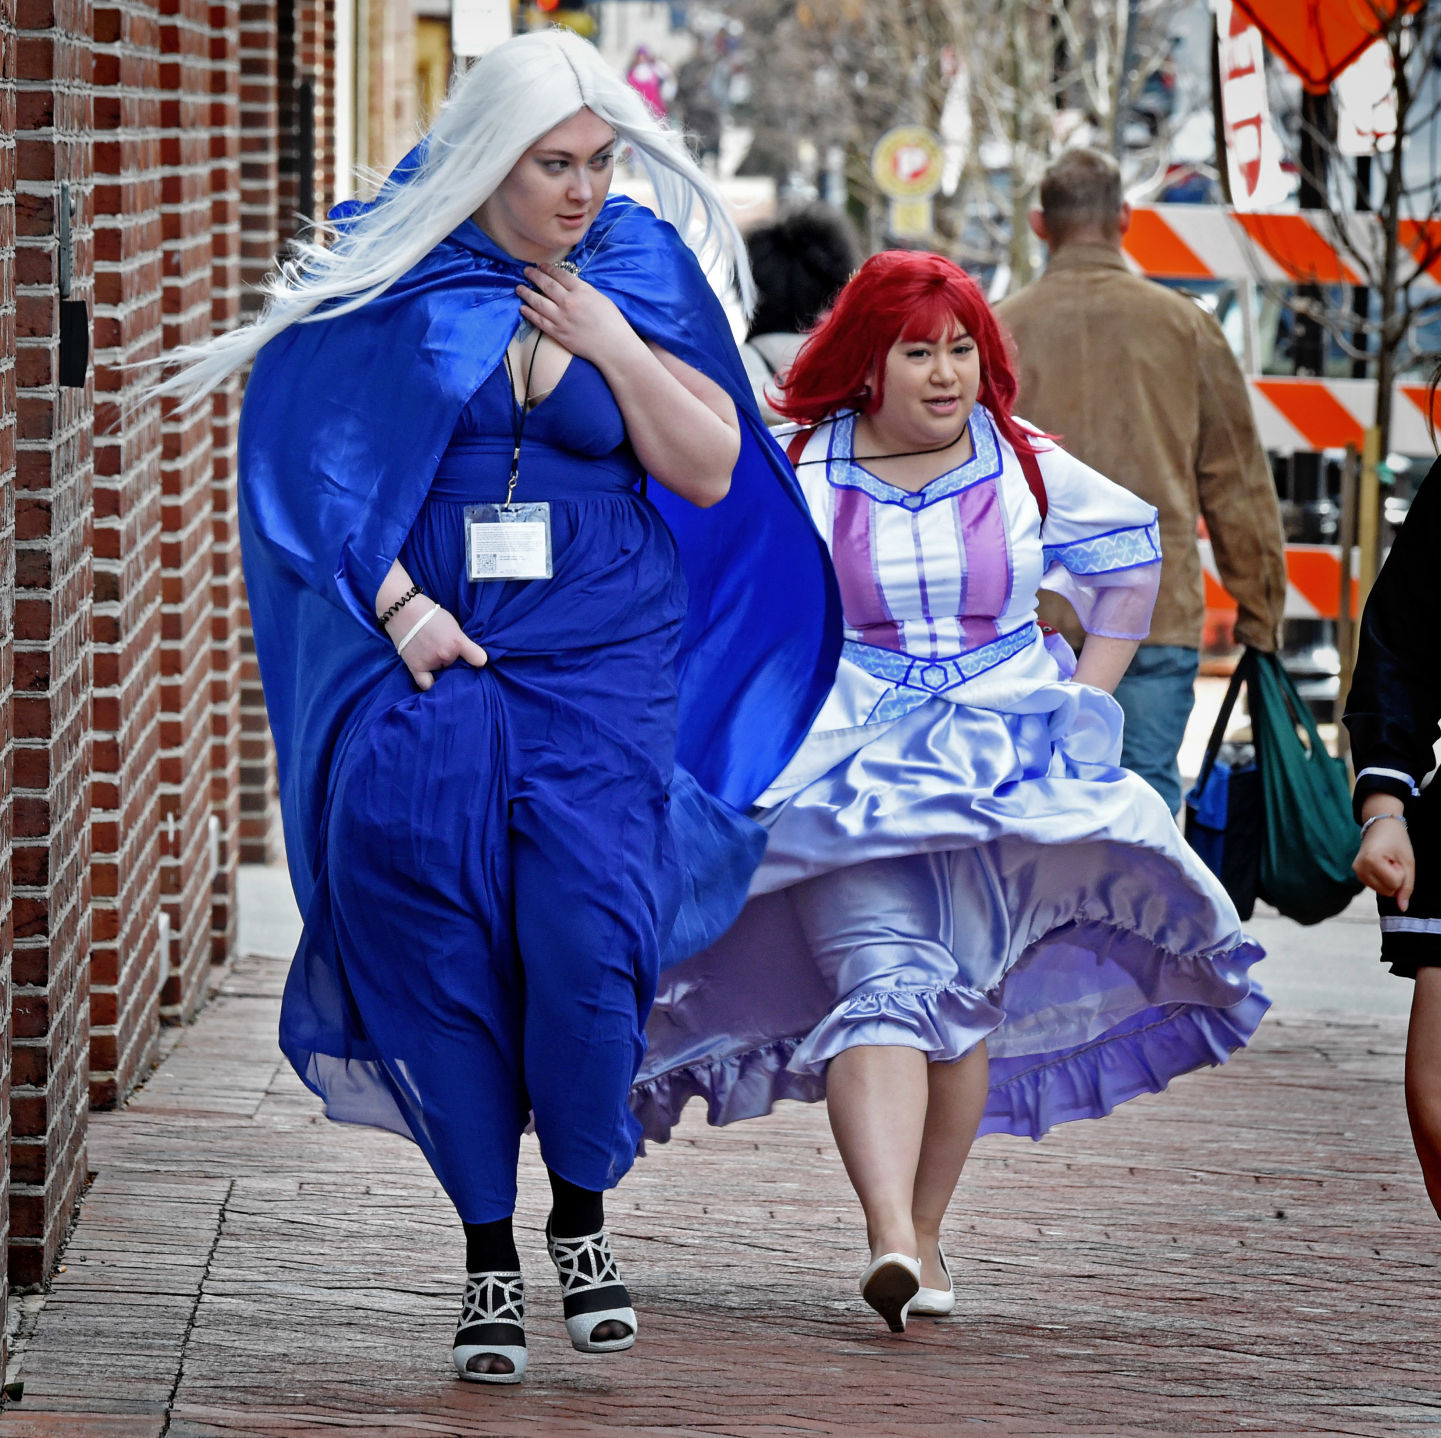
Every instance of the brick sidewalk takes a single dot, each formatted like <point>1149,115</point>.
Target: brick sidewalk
<point>1250,1252</point>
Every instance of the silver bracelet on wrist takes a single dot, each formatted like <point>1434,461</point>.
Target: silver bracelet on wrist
<point>1376,819</point>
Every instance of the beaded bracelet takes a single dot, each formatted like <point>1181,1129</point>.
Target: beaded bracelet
<point>398,605</point>
<point>1376,819</point>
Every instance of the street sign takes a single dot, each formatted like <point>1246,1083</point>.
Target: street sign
<point>912,219</point>
<point>1320,38</point>
<point>907,163</point>
<point>1252,146</point>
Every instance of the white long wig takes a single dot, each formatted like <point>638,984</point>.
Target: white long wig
<point>495,112</point>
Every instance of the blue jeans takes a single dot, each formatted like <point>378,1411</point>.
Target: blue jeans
<point>1157,693</point>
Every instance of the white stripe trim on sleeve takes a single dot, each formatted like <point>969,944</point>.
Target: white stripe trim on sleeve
<point>1391,774</point>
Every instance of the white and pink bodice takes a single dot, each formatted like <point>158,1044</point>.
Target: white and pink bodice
<point>939,586</point>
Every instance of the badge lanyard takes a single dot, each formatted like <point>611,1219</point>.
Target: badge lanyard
<point>519,413</point>
<point>509,540</point>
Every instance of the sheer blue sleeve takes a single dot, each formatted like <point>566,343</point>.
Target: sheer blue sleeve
<point>1102,548</point>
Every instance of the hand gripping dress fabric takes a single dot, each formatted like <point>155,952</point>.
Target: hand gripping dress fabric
<point>954,854</point>
<point>493,873</point>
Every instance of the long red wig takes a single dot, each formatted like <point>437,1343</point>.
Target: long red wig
<point>895,295</point>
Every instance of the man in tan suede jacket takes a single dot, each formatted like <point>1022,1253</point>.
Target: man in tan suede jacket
<point>1139,382</point>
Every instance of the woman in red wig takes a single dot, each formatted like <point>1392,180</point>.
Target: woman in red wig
<point>969,917</point>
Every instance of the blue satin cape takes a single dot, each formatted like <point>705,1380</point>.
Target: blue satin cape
<point>344,422</point>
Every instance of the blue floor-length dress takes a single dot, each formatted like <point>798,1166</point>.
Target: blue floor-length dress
<point>492,872</point>
<point>561,748</point>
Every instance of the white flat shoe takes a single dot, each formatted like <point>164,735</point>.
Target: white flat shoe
<point>936,1302</point>
<point>492,1311</point>
<point>890,1284</point>
<point>591,1291</point>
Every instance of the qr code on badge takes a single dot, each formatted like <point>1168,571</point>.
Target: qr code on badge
<point>509,550</point>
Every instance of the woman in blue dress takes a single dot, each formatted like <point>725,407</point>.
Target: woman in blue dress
<point>516,541</point>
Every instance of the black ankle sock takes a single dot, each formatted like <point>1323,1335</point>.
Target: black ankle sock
<point>575,1212</point>
<point>490,1247</point>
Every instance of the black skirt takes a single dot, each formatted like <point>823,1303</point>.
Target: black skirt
<point>1412,940</point>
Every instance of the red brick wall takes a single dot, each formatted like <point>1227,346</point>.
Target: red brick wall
<point>287,97</point>
<point>124,703</point>
<point>128,959</point>
<point>272,97</point>
<point>317,56</point>
<point>258,825</point>
<point>259,150</point>
<point>7,580</point>
<point>227,603</point>
<point>51,704</point>
<point>259,229</point>
<point>186,508</point>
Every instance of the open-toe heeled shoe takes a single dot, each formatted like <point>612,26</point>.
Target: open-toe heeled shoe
<point>591,1291</point>
<point>890,1284</point>
<point>492,1324</point>
<point>936,1302</point>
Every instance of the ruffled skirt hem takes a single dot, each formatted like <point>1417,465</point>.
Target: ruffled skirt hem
<point>1029,1093</point>
<point>945,1022</point>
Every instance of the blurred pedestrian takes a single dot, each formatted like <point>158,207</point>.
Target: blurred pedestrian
<point>799,264</point>
<point>1139,381</point>
<point>479,657</point>
<point>1393,713</point>
<point>650,77</point>
<point>968,916</point>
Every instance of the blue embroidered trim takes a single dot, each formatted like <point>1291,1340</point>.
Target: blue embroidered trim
<point>936,676</point>
<point>984,463</point>
<point>1106,553</point>
<point>896,704</point>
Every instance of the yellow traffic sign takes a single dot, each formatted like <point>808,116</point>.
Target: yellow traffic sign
<point>907,163</point>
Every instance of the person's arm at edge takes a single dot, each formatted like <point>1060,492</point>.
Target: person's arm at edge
<point>1395,700</point>
<point>1394,705</point>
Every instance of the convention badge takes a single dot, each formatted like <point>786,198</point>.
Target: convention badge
<point>508,541</point>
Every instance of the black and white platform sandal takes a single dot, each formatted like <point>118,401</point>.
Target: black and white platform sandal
<point>492,1323</point>
<point>591,1291</point>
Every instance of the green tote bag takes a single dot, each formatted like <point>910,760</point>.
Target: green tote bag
<point>1310,836</point>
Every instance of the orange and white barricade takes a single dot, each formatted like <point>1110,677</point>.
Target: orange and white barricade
<point>1313,591</point>
<point>1214,242</point>
<point>1320,414</point>
<point>1313,583</point>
